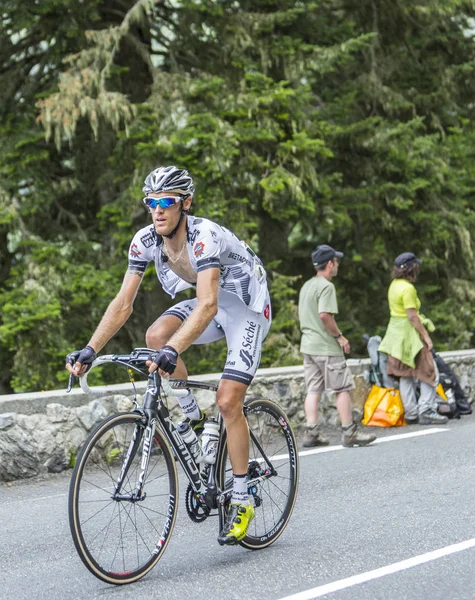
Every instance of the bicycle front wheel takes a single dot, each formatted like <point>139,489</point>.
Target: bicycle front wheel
<point>273,465</point>
<point>120,539</point>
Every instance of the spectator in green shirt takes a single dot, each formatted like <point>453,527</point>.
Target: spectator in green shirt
<point>408,345</point>
<point>324,346</point>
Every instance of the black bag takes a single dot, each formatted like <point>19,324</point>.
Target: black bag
<point>451,386</point>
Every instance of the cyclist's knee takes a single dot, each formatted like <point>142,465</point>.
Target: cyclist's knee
<point>229,409</point>
<point>155,337</point>
<point>161,331</point>
<point>230,402</point>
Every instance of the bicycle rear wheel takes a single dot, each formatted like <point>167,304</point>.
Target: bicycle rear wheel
<point>119,541</point>
<point>272,448</point>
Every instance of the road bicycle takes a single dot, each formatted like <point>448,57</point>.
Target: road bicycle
<point>124,487</point>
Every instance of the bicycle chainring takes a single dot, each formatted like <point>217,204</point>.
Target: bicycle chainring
<point>197,511</point>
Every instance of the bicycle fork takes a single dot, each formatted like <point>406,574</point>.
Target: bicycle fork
<point>147,436</point>
<point>150,406</point>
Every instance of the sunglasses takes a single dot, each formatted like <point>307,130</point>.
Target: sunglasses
<point>164,202</point>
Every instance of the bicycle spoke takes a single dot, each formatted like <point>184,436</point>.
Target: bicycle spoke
<point>105,536</point>
<point>97,513</point>
<point>272,501</point>
<point>134,507</point>
<point>108,524</point>
<point>95,501</point>
<point>152,510</point>
<point>155,479</point>
<point>96,486</point>
<point>157,495</point>
<point>146,516</point>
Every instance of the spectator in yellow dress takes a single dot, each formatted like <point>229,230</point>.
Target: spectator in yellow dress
<point>408,344</point>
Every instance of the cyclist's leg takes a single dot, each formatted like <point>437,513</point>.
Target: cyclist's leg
<point>240,512</point>
<point>245,332</point>
<point>230,399</point>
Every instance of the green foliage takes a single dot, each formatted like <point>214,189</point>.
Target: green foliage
<point>302,123</point>
<point>281,347</point>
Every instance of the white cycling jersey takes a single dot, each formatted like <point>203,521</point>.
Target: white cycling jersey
<point>209,245</point>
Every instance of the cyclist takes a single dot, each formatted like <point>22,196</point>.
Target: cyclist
<point>232,301</point>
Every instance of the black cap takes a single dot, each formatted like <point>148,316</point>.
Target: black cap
<point>405,259</point>
<point>322,254</point>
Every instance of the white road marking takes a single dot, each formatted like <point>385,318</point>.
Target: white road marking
<point>342,584</point>
<point>409,434</point>
<point>388,438</point>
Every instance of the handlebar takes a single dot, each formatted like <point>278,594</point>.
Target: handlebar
<point>136,360</point>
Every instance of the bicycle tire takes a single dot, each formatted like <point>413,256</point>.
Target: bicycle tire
<point>117,551</point>
<point>278,493</point>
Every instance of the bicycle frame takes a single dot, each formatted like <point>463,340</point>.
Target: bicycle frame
<point>157,414</point>
<point>203,485</point>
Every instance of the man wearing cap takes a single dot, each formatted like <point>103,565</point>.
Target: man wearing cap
<point>408,345</point>
<point>324,346</point>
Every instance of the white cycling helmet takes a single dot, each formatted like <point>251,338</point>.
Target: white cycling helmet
<point>167,179</point>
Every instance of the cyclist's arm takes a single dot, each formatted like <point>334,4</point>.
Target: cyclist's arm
<point>207,286</point>
<point>118,311</point>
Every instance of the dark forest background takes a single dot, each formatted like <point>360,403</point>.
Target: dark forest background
<point>348,122</point>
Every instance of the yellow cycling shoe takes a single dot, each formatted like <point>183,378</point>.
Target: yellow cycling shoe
<point>237,523</point>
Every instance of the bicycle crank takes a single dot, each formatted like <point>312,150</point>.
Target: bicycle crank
<point>195,507</point>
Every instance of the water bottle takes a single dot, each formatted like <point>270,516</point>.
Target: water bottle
<point>209,441</point>
<point>191,440</point>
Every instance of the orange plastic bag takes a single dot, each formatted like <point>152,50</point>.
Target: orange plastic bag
<point>383,408</point>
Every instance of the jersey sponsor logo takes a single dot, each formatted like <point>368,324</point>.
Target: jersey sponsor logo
<point>248,337</point>
<point>250,250</point>
<point>250,345</point>
<point>192,235</point>
<point>134,251</point>
<point>199,249</point>
<point>148,239</point>
<point>240,258</point>
<point>246,358</point>
<point>267,312</point>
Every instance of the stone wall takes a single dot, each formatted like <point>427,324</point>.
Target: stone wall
<point>42,432</point>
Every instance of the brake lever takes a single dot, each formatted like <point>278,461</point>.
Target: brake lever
<point>70,383</point>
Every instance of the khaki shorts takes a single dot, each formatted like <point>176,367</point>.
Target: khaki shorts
<point>326,373</point>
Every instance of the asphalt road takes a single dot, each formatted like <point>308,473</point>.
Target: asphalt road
<point>379,512</point>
